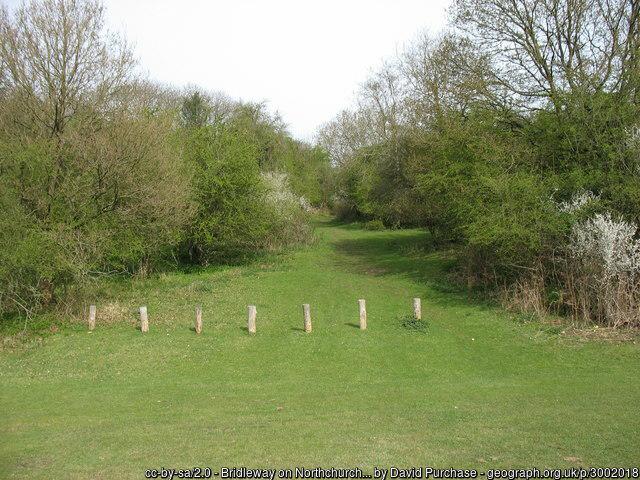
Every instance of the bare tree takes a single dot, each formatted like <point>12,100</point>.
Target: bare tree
<point>378,116</point>
<point>382,97</point>
<point>433,76</point>
<point>546,48</point>
<point>343,136</point>
<point>443,74</point>
<point>57,57</point>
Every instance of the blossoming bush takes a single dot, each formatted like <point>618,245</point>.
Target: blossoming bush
<point>577,202</point>
<point>288,212</point>
<point>602,281</point>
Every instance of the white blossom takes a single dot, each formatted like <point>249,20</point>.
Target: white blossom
<point>633,138</point>
<point>279,193</point>
<point>633,145</point>
<point>578,201</point>
<point>304,204</point>
<point>608,242</point>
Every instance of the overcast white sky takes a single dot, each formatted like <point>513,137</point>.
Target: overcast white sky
<point>306,58</point>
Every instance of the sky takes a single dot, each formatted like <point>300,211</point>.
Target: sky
<point>305,58</point>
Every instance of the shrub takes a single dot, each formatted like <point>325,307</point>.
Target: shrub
<point>103,173</point>
<point>118,203</point>
<point>602,274</point>
<point>231,217</point>
<point>374,225</point>
<point>343,210</point>
<point>577,202</point>
<point>288,212</point>
<point>510,227</point>
<point>240,211</point>
<point>411,324</point>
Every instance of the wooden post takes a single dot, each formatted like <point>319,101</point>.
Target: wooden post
<point>198,320</point>
<point>306,312</point>
<point>363,314</point>
<point>92,317</point>
<point>251,322</point>
<point>144,320</point>
<point>417,309</point>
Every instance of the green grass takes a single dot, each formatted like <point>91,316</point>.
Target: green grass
<point>473,389</point>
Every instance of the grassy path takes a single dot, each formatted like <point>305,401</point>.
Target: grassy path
<point>476,390</point>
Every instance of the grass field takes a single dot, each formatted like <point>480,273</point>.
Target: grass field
<point>475,389</point>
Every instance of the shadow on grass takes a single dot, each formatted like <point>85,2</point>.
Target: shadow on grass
<point>354,325</point>
<point>411,254</point>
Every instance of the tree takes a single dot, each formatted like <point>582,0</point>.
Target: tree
<point>195,110</point>
<point>58,61</point>
<point>344,135</point>
<point>444,75</point>
<point>543,49</point>
<point>89,179</point>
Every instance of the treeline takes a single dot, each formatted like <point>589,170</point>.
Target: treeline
<point>104,173</point>
<point>513,137</point>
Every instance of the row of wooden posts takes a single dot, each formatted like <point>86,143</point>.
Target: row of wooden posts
<point>252,314</point>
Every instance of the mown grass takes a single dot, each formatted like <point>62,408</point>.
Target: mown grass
<point>473,389</point>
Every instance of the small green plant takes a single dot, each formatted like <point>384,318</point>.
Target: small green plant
<point>412,324</point>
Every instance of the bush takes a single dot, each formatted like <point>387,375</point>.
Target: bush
<point>602,272</point>
<point>240,211</point>
<point>288,212</point>
<point>374,225</point>
<point>118,203</point>
<point>231,217</point>
<point>510,227</point>
<point>411,324</point>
